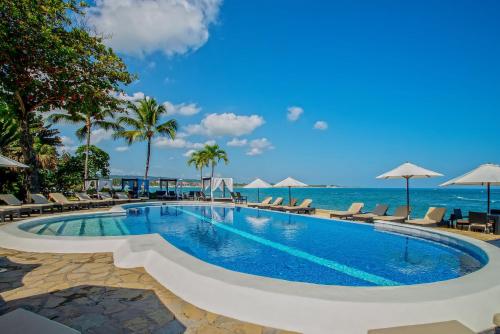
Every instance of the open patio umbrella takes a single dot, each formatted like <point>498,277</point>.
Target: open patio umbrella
<point>485,175</point>
<point>289,182</point>
<point>6,162</point>
<point>408,171</point>
<point>257,184</point>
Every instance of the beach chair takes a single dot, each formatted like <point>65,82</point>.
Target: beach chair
<point>293,203</point>
<point>400,215</point>
<point>276,202</point>
<point>121,195</point>
<point>433,217</point>
<point>459,219</point>
<point>266,201</point>
<point>380,210</point>
<point>355,208</point>
<point>8,212</point>
<point>479,221</point>
<point>304,207</point>
<point>61,199</point>
<point>96,202</point>
<point>12,201</point>
<point>40,199</point>
<point>238,198</point>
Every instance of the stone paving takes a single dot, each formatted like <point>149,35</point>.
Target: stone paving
<point>88,293</point>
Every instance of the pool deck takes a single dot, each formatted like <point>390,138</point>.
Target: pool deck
<point>89,293</point>
<point>213,288</point>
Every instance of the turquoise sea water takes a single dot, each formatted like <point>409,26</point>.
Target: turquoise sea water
<point>467,199</point>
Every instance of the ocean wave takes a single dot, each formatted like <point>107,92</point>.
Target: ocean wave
<point>475,199</point>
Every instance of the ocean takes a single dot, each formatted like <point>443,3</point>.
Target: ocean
<point>467,199</point>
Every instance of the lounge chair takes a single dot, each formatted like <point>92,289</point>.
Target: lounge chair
<point>40,199</point>
<point>276,202</point>
<point>400,215</point>
<point>304,207</point>
<point>121,195</point>
<point>479,221</point>
<point>85,197</point>
<point>380,210</point>
<point>433,217</point>
<point>238,198</point>
<point>109,197</point>
<point>354,209</point>
<point>11,200</point>
<point>202,197</point>
<point>445,327</point>
<point>266,201</point>
<point>61,199</point>
<point>8,212</point>
<point>459,219</point>
<point>293,203</point>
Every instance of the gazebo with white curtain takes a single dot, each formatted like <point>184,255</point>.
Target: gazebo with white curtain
<point>221,183</point>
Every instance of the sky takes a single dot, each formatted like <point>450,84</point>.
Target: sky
<point>328,92</point>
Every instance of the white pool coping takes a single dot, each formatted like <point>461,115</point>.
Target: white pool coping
<point>295,306</point>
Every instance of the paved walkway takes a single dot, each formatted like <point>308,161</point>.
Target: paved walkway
<point>88,293</point>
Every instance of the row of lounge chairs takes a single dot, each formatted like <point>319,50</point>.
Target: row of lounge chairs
<point>433,217</point>
<point>13,207</point>
<point>269,204</point>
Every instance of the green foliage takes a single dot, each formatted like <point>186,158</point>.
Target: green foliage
<point>98,161</point>
<point>214,154</point>
<point>8,127</point>
<point>49,59</point>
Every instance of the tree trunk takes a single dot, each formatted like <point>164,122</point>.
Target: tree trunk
<point>31,180</point>
<point>87,148</point>
<point>201,178</point>
<point>213,168</point>
<point>147,159</point>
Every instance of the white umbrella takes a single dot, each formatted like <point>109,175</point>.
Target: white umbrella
<point>484,175</point>
<point>6,162</point>
<point>408,171</point>
<point>257,184</point>
<point>289,182</point>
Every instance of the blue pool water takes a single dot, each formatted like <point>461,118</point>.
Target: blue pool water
<point>283,246</point>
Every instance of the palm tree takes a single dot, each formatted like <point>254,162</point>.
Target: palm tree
<point>92,116</point>
<point>214,154</point>
<point>199,160</point>
<point>145,125</point>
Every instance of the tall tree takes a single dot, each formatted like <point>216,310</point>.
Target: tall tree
<point>215,154</point>
<point>145,124</point>
<point>91,116</point>
<point>198,159</point>
<point>48,60</point>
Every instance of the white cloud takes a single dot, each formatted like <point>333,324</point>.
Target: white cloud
<point>187,154</point>
<point>226,124</point>
<point>164,142</point>
<point>320,125</point>
<point>68,145</point>
<point>98,135</point>
<point>183,109</point>
<point>237,142</point>
<point>294,113</point>
<point>258,146</point>
<point>140,27</point>
<point>133,97</point>
<point>122,148</point>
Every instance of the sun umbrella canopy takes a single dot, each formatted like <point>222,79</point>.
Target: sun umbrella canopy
<point>408,170</point>
<point>289,182</point>
<point>6,162</point>
<point>484,175</point>
<point>258,183</point>
<point>481,176</point>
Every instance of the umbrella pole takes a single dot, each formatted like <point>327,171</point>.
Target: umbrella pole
<point>289,195</point>
<point>408,195</point>
<point>258,197</point>
<point>488,208</point>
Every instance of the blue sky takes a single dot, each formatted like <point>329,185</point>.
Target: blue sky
<point>393,80</point>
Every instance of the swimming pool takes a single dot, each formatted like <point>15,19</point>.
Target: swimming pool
<point>282,246</point>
